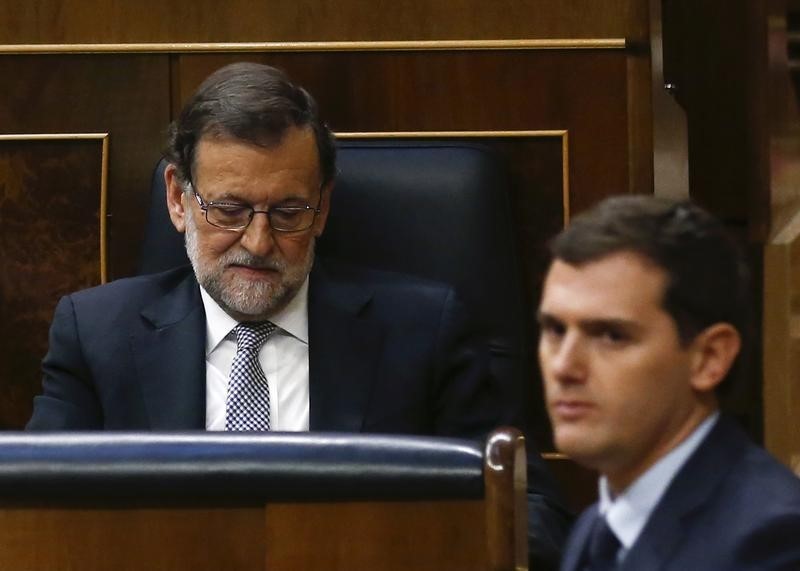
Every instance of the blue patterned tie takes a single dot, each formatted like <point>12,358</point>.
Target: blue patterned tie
<point>247,404</point>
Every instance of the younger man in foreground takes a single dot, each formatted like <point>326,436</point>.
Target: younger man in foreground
<point>642,320</point>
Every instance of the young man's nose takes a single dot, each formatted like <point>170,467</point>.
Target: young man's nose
<point>568,359</point>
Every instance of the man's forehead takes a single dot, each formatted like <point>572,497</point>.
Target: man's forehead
<point>615,286</point>
<point>222,157</point>
<point>293,137</point>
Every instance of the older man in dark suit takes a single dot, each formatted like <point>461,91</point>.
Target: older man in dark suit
<point>257,335</point>
<point>642,320</point>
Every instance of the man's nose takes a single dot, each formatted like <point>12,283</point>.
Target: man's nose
<point>568,362</point>
<point>258,238</point>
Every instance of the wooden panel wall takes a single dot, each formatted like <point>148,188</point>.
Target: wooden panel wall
<point>118,21</point>
<point>132,536</point>
<point>126,96</point>
<point>45,185</point>
<point>717,62</point>
<point>781,345</point>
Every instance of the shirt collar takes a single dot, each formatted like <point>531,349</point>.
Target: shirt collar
<point>292,319</point>
<point>628,512</point>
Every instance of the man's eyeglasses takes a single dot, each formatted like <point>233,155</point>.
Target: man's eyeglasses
<point>235,216</point>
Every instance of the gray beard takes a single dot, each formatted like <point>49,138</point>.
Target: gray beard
<point>245,300</point>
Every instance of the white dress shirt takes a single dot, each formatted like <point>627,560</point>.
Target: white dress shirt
<point>628,512</point>
<point>283,358</point>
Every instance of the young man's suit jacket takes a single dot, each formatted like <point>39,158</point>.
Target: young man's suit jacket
<point>387,354</point>
<point>731,507</point>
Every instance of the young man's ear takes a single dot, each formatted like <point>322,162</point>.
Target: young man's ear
<point>175,198</point>
<point>715,349</point>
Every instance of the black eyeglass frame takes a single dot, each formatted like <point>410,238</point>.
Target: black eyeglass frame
<point>204,206</point>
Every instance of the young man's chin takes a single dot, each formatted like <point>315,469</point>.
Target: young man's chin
<point>574,441</point>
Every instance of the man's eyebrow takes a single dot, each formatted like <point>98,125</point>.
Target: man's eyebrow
<point>293,198</point>
<point>229,197</point>
<point>542,317</point>
<point>609,322</point>
<point>232,198</point>
<point>599,323</point>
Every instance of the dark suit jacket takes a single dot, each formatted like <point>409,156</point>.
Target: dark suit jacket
<point>387,354</point>
<point>731,507</point>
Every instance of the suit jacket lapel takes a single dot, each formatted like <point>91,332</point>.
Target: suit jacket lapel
<point>344,349</point>
<point>577,544</point>
<point>169,353</point>
<point>693,486</point>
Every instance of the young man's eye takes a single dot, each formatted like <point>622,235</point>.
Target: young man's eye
<point>614,336</point>
<point>552,329</point>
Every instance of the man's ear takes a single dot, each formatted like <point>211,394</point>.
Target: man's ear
<point>175,199</point>
<point>324,209</point>
<point>714,351</point>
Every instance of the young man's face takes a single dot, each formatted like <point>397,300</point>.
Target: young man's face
<point>617,378</point>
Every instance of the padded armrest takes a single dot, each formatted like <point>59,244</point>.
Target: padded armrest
<point>269,467</point>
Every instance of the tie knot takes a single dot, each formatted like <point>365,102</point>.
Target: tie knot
<point>252,335</point>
